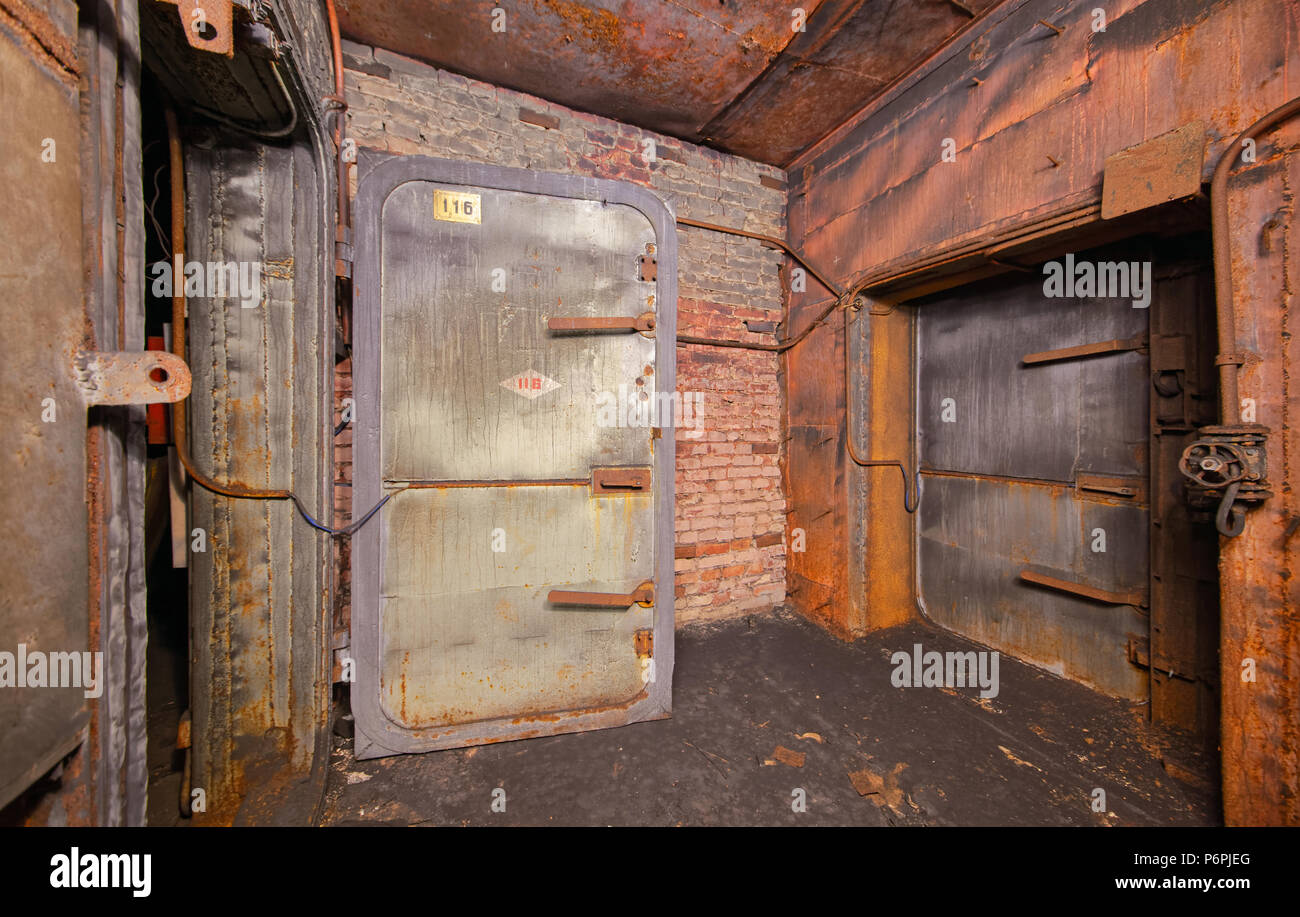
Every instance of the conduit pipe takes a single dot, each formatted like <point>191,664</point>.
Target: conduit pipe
<point>1230,357</point>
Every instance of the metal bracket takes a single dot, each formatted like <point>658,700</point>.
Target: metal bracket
<point>139,377</point>
<point>1165,168</point>
<point>1110,487</point>
<point>1139,654</point>
<point>208,24</point>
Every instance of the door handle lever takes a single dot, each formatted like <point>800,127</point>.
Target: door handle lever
<point>643,322</point>
<point>1135,597</point>
<point>642,595</point>
<point>620,480</point>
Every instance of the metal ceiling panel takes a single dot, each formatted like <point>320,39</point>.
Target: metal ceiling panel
<point>758,78</point>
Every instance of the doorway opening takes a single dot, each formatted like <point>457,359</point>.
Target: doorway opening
<point>1051,409</point>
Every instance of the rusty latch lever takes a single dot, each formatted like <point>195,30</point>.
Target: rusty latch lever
<point>1117,345</point>
<point>619,480</point>
<point>1135,597</point>
<point>643,322</point>
<point>642,595</point>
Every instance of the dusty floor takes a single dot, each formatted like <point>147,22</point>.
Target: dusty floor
<point>931,756</point>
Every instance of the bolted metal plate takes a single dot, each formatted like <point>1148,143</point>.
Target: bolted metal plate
<point>208,24</point>
<point>1165,168</point>
<point>150,377</point>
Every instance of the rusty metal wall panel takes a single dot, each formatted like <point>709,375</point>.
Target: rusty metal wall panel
<point>1078,97</point>
<point>990,509</point>
<point>455,643</point>
<point>43,468</point>
<point>664,66</point>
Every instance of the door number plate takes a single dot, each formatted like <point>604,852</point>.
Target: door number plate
<point>456,207</point>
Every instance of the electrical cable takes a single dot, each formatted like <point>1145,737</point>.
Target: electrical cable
<point>277,133</point>
<point>149,208</point>
<point>180,427</point>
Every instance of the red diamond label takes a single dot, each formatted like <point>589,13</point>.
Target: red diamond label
<point>531,384</point>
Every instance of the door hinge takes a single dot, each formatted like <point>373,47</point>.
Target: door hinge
<point>132,377</point>
<point>1139,654</point>
<point>343,252</point>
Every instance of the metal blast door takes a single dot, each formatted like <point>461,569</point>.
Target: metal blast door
<point>513,369</point>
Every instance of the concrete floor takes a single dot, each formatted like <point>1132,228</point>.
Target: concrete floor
<point>924,756</point>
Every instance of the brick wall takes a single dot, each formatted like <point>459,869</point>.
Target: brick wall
<point>730,502</point>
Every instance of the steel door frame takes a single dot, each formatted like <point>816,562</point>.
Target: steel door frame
<point>376,733</point>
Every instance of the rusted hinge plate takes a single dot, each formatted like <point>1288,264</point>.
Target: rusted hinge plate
<point>140,377</point>
<point>208,24</point>
<point>649,268</point>
<point>1168,353</point>
<point>644,641</point>
<point>1139,654</point>
<point>1165,168</point>
<point>343,253</point>
<point>620,480</point>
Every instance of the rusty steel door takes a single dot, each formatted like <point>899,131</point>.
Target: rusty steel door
<point>510,366</point>
<point>1032,439</point>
